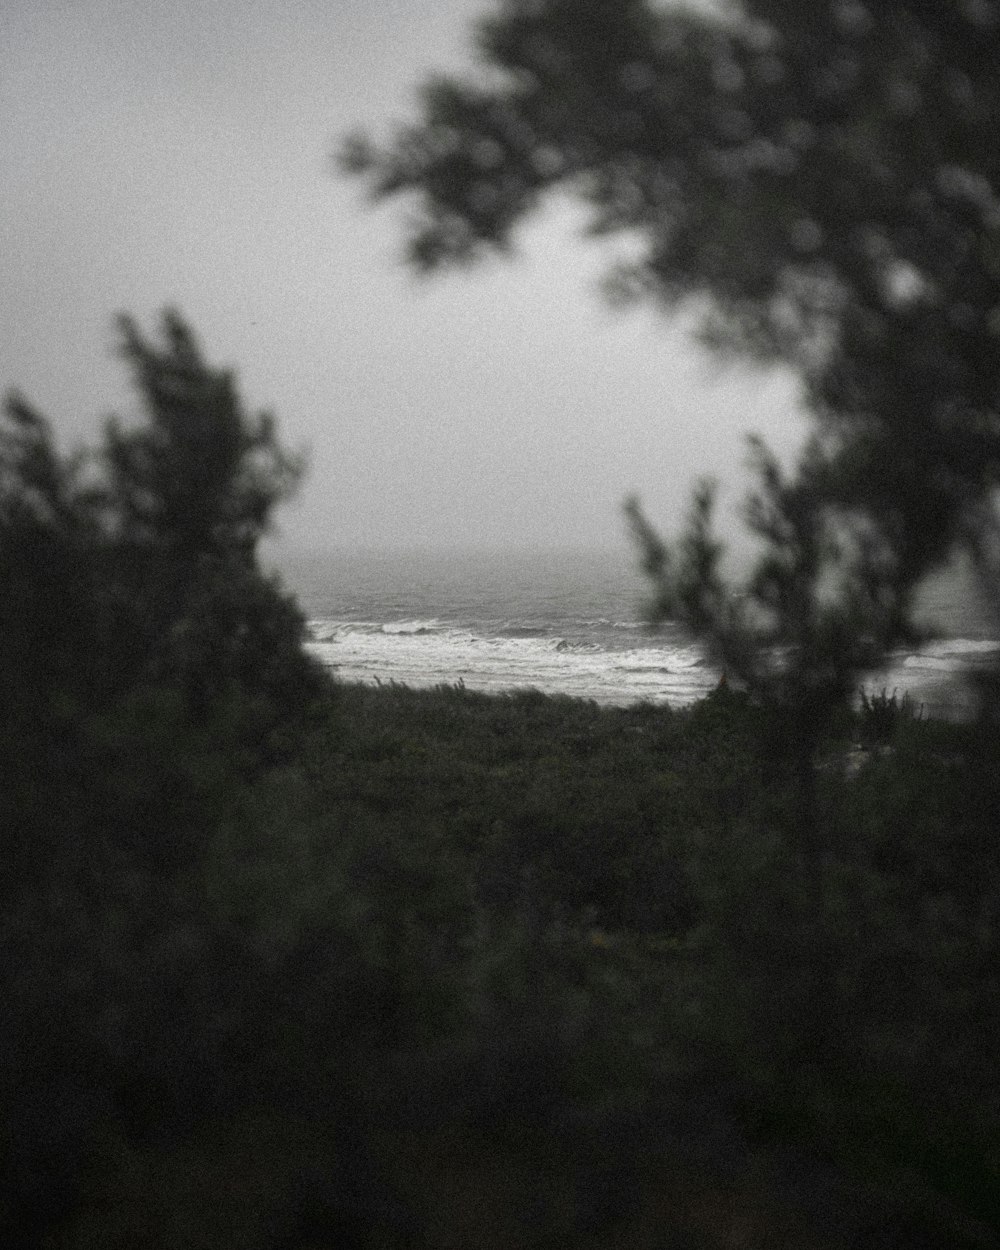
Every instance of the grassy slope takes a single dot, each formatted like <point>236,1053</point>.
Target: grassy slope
<point>523,971</point>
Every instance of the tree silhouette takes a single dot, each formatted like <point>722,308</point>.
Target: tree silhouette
<point>202,477</point>
<point>185,499</point>
<point>820,176</point>
<point>150,674</point>
<point>137,562</point>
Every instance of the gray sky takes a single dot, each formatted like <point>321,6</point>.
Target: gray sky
<point>180,154</point>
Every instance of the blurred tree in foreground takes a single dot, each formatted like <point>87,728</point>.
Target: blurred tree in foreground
<point>821,180</point>
<point>137,561</point>
<point>150,672</point>
<point>203,477</point>
<point>135,617</point>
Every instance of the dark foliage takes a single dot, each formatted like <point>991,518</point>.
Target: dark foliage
<point>149,671</point>
<point>286,963</point>
<point>202,477</point>
<point>526,969</point>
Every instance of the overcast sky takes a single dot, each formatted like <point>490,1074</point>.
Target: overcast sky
<point>180,154</point>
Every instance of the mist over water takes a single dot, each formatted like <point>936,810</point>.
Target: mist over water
<point>570,622</point>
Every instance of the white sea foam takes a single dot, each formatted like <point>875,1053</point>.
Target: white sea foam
<point>961,646</point>
<point>412,627</point>
<point>570,625</point>
<point>950,655</point>
<point>426,654</point>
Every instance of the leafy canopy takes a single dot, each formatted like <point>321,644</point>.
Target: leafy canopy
<point>823,177</point>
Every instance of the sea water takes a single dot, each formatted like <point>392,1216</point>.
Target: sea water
<point>569,622</point>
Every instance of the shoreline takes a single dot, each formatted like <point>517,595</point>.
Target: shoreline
<point>948,699</point>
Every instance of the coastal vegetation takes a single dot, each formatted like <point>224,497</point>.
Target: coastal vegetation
<point>289,963</point>
<point>512,970</point>
<point>292,963</point>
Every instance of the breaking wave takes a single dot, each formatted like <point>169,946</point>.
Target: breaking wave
<point>573,627</point>
<point>430,653</point>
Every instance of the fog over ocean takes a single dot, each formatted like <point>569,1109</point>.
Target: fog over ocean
<point>565,622</point>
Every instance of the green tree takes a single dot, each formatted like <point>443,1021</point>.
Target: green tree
<point>184,500</point>
<point>138,560</point>
<point>202,477</point>
<point>152,675</point>
<point>133,610</point>
<point>46,532</point>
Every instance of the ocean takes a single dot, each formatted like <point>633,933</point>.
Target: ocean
<point>568,622</point>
